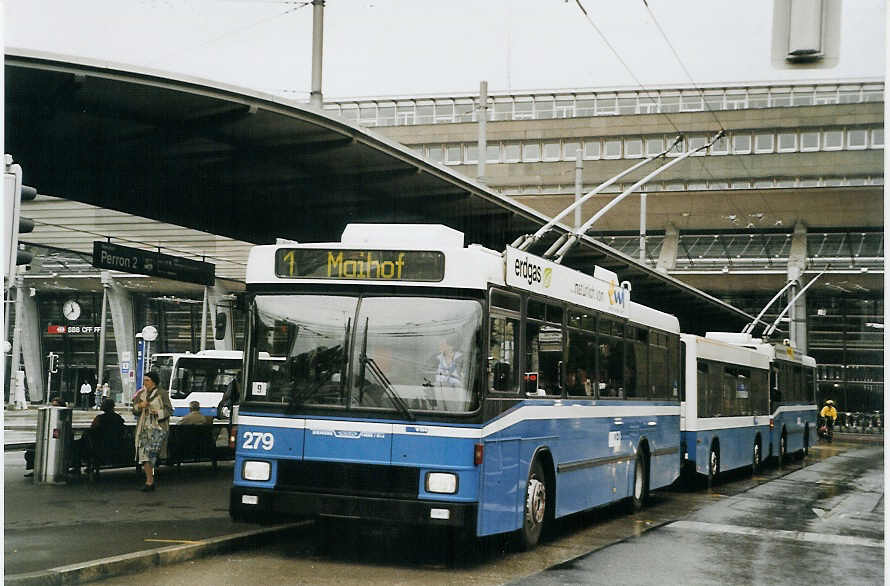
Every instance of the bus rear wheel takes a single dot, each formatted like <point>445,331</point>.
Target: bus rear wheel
<point>535,513</point>
<point>713,465</point>
<point>783,447</point>
<point>641,484</point>
<point>756,458</point>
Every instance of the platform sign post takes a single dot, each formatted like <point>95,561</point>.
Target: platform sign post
<point>140,361</point>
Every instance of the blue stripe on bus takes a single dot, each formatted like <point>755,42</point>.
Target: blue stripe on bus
<point>606,439</point>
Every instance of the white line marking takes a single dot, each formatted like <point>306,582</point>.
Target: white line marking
<point>823,538</point>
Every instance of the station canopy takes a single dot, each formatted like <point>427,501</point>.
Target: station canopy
<point>248,167</point>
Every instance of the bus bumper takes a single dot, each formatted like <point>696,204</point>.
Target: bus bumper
<point>249,504</point>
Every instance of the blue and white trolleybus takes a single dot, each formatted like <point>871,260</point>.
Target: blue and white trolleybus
<point>429,382</point>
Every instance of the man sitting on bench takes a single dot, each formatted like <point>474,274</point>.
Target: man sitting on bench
<point>194,416</point>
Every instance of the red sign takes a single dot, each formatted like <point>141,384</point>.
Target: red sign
<point>51,329</point>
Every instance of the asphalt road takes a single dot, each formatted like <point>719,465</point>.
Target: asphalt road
<point>821,524</point>
<point>773,528</point>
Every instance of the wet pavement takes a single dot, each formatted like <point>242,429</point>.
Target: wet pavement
<point>824,522</point>
<point>349,554</point>
<point>778,523</point>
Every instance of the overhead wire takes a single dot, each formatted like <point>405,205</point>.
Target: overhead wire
<point>740,160</point>
<point>647,91</point>
<point>296,6</point>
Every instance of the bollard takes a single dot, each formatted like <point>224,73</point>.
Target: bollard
<point>53,445</point>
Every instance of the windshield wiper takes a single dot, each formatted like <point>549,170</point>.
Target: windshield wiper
<point>366,361</point>
<point>384,382</point>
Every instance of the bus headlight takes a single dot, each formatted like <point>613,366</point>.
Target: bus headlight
<point>441,482</point>
<point>257,471</point>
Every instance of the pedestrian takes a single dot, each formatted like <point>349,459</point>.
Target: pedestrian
<point>106,391</point>
<point>151,430</point>
<point>829,416</point>
<point>86,390</point>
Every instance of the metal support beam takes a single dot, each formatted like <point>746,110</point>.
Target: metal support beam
<point>121,305</point>
<point>315,97</point>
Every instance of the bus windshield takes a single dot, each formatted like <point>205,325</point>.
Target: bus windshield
<point>203,375</point>
<point>376,353</point>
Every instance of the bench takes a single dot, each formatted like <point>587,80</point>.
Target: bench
<point>185,443</point>
<point>192,443</point>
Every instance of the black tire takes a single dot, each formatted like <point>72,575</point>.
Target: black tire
<point>756,457</point>
<point>806,441</point>
<point>713,465</point>
<point>783,447</point>
<point>640,492</point>
<point>534,514</point>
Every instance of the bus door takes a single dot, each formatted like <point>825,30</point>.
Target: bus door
<point>502,479</point>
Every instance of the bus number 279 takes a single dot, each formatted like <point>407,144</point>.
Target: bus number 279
<point>253,440</point>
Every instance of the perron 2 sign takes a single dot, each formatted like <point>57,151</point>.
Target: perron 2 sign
<point>145,262</point>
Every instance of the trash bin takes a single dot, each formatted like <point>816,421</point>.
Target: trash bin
<point>53,446</point>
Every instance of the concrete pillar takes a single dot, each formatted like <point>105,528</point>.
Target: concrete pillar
<point>27,319</point>
<point>221,301</point>
<point>121,305</point>
<point>797,262</point>
<point>667,258</point>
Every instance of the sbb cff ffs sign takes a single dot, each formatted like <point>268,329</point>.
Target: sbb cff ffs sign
<point>145,262</point>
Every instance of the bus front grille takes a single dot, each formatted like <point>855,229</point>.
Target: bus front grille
<point>349,479</point>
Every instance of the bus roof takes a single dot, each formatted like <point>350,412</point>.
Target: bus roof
<point>775,350</point>
<point>414,255</point>
<point>714,349</point>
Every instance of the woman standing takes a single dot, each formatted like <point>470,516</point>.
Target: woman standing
<point>151,430</point>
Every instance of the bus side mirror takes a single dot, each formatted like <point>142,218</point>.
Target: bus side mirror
<point>220,326</point>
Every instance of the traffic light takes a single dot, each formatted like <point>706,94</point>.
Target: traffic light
<point>14,193</point>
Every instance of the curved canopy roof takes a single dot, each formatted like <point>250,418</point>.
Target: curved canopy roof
<point>253,167</point>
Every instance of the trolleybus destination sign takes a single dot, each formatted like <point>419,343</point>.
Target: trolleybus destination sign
<point>353,264</point>
<point>146,262</point>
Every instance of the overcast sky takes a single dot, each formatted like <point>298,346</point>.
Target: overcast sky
<point>415,47</point>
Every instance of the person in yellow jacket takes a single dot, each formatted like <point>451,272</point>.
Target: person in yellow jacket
<point>829,415</point>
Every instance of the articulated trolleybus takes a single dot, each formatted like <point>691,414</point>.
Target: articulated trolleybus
<point>792,393</point>
<point>435,384</point>
<point>744,399</point>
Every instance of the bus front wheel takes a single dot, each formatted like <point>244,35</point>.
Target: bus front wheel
<point>535,513</point>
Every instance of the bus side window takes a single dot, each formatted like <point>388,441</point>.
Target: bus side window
<point>503,365</point>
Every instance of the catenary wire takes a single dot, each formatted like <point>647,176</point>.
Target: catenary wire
<point>234,31</point>
<point>740,159</point>
<point>614,51</point>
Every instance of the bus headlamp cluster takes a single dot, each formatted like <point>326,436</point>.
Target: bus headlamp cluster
<point>256,471</point>
<point>441,482</point>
